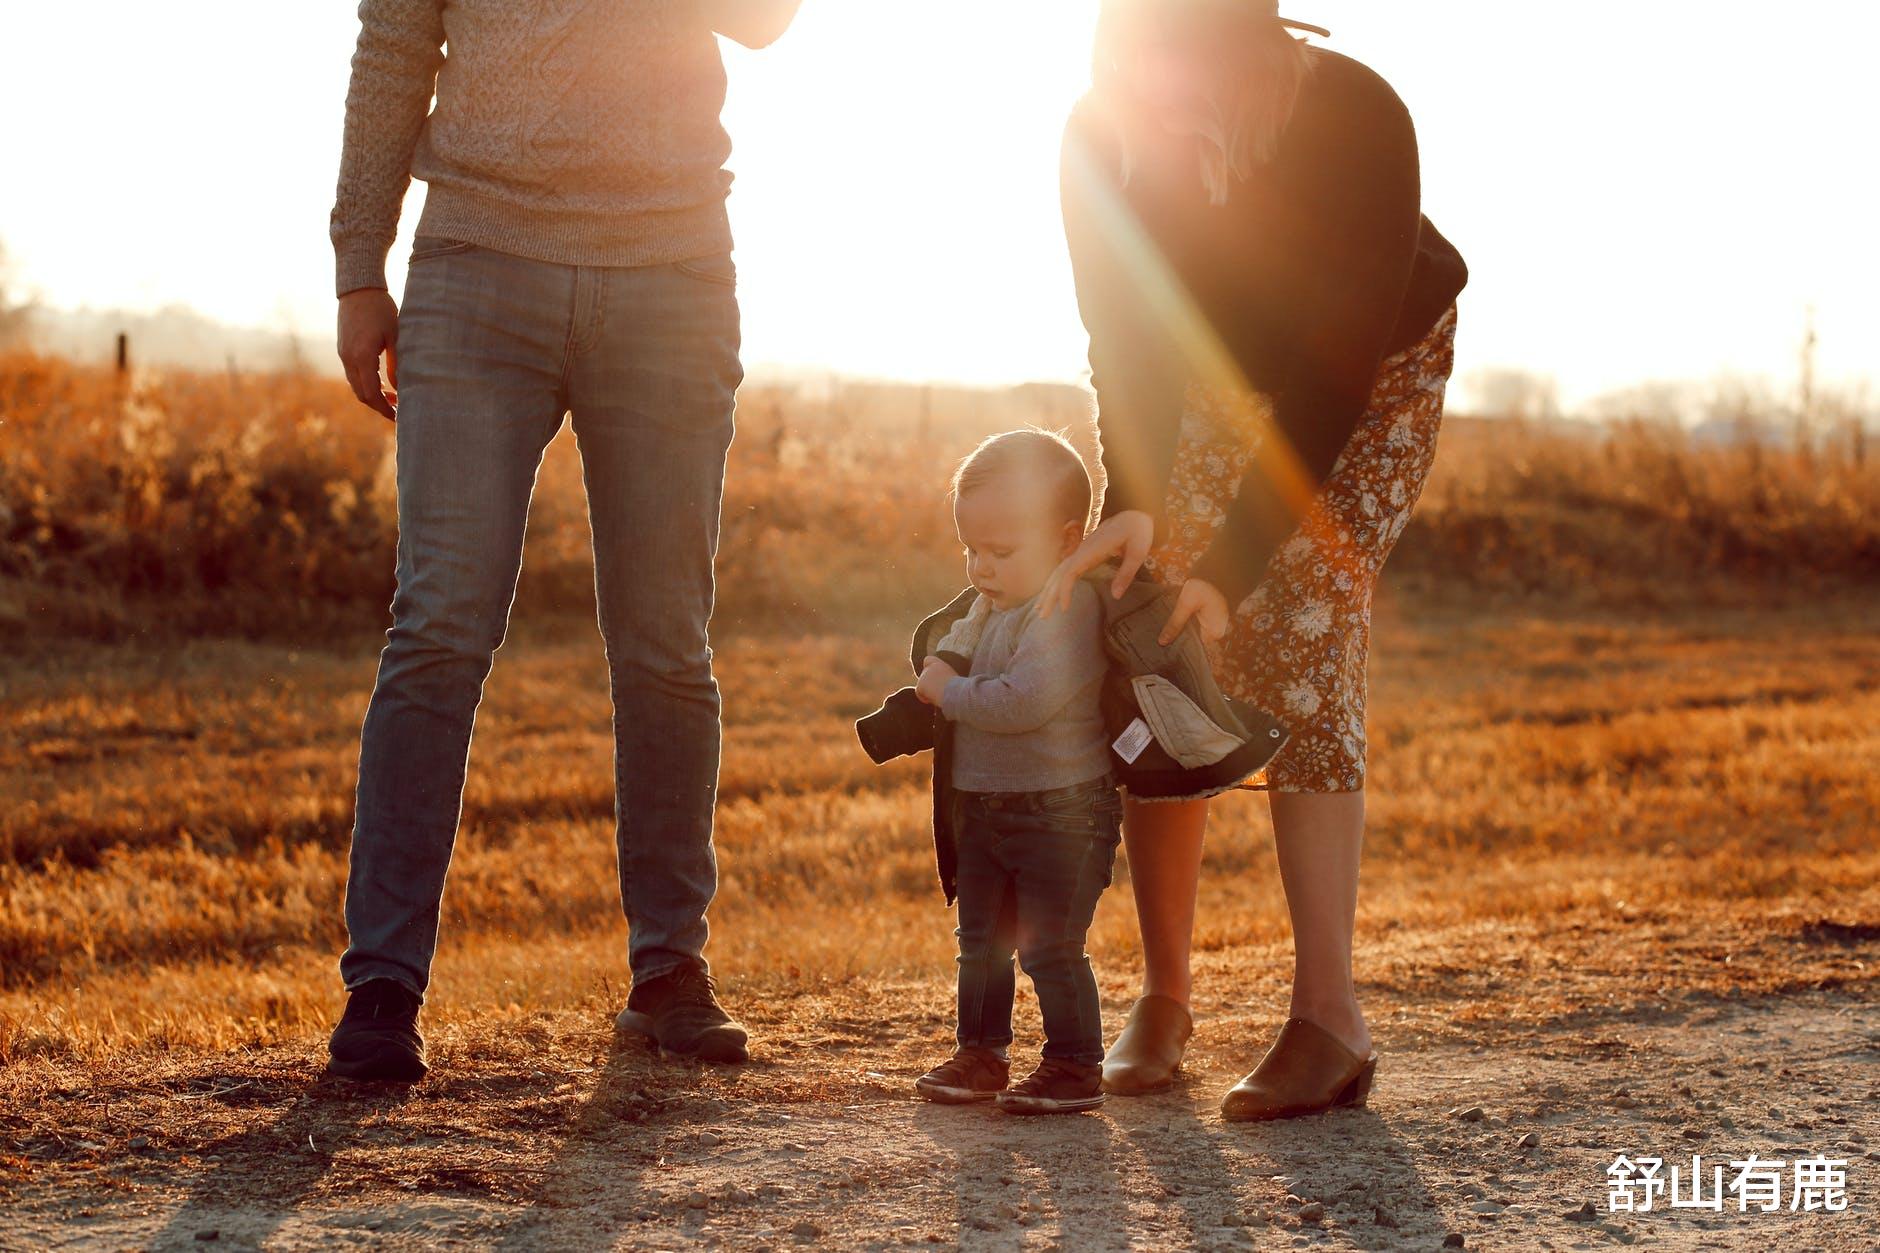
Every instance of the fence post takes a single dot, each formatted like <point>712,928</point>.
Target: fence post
<point>1805,416</point>
<point>123,352</point>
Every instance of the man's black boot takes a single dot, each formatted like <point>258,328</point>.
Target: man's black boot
<point>377,1037</point>
<point>680,1011</point>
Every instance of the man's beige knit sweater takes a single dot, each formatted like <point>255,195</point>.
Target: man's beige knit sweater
<point>579,131</point>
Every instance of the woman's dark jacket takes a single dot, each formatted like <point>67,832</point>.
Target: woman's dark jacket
<point>1199,742</point>
<point>1316,270</point>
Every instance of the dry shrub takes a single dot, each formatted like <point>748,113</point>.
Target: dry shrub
<point>1640,509</point>
<point>220,502</point>
<point>265,505</point>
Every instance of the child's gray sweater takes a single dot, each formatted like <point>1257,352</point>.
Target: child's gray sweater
<point>1027,718</point>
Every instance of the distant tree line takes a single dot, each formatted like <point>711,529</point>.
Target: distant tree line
<point>16,315</point>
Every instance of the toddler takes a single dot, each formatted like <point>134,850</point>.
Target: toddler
<point>1039,816</point>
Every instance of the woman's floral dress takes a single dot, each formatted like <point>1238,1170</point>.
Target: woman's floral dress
<point>1297,646</point>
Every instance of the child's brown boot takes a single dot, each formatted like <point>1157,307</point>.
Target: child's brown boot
<point>972,1074</point>
<point>1056,1087</point>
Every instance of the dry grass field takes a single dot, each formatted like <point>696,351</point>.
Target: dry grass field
<point>1622,884</point>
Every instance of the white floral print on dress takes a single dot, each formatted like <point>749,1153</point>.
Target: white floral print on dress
<point>1299,644</point>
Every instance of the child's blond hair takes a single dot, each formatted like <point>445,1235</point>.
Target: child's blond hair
<point>1046,454</point>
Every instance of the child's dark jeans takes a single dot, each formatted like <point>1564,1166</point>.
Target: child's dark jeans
<point>1031,867</point>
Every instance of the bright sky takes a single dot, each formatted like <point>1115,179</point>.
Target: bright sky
<point>1643,190</point>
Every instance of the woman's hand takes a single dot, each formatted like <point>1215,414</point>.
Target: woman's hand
<point>933,681</point>
<point>1203,602</point>
<point>1126,535</point>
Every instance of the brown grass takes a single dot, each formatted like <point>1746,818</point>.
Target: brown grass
<point>1623,806</point>
<point>1588,797</point>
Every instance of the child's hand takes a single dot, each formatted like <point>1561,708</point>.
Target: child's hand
<point>933,680</point>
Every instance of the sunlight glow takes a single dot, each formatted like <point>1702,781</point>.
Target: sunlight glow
<point>1642,191</point>
<point>1206,358</point>
<point>911,151</point>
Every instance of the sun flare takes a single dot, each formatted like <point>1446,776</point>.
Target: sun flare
<point>880,137</point>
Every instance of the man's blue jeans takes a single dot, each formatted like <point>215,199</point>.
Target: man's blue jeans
<point>493,350</point>
<point>1031,867</point>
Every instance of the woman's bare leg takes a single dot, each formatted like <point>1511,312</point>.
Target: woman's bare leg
<point>1163,841</point>
<point>1318,837</point>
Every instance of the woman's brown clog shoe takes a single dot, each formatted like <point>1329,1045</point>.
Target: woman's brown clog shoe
<point>1149,1051</point>
<point>1308,1070</point>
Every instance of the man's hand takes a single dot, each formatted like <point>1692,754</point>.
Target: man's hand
<point>933,681</point>
<point>368,326</point>
<point>1126,535</point>
<point>753,23</point>
<point>1202,601</point>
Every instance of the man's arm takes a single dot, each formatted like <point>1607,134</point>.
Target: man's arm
<point>394,72</point>
<point>1056,657</point>
<point>753,23</point>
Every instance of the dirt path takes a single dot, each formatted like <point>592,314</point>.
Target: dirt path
<point>632,1152</point>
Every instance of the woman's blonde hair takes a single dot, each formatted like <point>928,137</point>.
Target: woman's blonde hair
<point>1249,68</point>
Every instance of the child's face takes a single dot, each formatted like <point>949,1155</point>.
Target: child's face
<point>1012,542</point>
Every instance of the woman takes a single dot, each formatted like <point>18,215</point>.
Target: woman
<point>1272,328</point>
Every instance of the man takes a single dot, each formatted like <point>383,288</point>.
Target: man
<point>573,256</point>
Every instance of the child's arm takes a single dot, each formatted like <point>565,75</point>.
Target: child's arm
<point>957,645</point>
<point>1056,657</point>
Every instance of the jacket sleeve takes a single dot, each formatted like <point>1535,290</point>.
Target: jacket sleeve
<point>1111,262</point>
<point>1353,222</point>
<point>394,72</point>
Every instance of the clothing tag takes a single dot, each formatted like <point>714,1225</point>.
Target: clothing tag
<point>1132,741</point>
